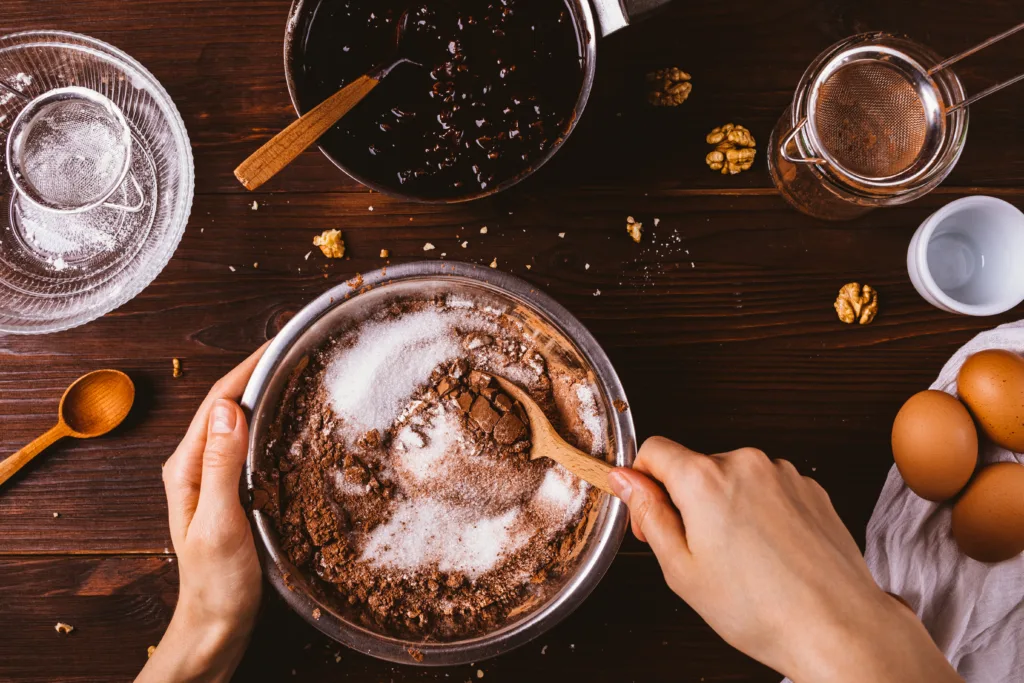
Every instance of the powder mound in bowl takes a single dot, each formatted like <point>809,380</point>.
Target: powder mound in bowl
<point>399,477</point>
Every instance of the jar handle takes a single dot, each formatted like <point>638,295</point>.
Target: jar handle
<point>790,136</point>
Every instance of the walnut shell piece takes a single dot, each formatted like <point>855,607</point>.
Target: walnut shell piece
<point>734,149</point>
<point>668,87</point>
<point>856,303</point>
<point>330,243</point>
<point>635,230</point>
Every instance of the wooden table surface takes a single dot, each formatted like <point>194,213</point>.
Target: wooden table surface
<point>720,323</point>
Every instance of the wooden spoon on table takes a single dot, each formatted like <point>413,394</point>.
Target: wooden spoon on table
<point>93,405</point>
<point>281,150</point>
<point>546,443</point>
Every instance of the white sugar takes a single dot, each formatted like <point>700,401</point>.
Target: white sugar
<point>591,417</point>
<point>560,494</point>
<point>424,452</point>
<point>425,532</point>
<point>370,382</point>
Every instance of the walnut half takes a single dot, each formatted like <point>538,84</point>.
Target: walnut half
<point>734,149</point>
<point>857,304</point>
<point>668,87</point>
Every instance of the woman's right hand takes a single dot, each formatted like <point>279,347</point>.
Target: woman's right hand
<point>760,553</point>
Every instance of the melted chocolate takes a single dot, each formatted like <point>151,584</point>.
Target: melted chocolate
<point>496,90</point>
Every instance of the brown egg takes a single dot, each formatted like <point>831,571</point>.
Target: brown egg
<point>988,520</point>
<point>991,383</point>
<point>935,445</point>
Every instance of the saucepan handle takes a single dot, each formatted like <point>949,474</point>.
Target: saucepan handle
<point>615,14</point>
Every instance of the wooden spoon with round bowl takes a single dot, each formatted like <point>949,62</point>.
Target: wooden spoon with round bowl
<point>546,443</point>
<point>92,406</point>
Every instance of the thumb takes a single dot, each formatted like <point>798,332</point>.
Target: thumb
<point>227,441</point>
<point>653,517</point>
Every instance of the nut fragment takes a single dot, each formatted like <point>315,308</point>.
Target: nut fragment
<point>668,87</point>
<point>64,629</point>
<point>330,243</point>
<point>635,230</point>
<point>734,149</point>
<point>384,253</point>
<point>856,303</point>
<point>176,368</point>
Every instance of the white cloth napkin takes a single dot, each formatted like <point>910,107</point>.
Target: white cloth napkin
<point>973,611</point>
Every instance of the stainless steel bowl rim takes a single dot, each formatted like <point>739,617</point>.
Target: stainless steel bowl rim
<point>586,575</point>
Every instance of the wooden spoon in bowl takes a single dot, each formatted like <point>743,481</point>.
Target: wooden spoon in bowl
<point>546,443</point>
<point>93,405</point>
<point>281,150</point>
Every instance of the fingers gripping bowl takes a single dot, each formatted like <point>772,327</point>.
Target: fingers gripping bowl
<point>566,348</point>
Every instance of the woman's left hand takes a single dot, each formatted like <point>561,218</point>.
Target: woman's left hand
<point>220,577</point>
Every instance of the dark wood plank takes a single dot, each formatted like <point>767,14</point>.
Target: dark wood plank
<point>739,348</point>
<point>222,64</point>
<point>629,629</point>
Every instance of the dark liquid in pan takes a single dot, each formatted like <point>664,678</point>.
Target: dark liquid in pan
<point>497,89</point>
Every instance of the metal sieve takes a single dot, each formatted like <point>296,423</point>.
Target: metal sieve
<point>876,115</point>
<point>69,150</point>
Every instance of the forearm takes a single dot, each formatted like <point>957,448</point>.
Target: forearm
<point>195,649</point>
<point>882,642</point>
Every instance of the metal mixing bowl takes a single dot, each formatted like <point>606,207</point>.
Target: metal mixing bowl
<point>563,341</point>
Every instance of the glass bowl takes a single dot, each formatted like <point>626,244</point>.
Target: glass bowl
<point>63,268</point>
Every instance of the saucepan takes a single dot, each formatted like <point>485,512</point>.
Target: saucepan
<point>592,19</point>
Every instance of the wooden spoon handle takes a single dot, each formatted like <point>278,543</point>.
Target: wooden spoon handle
<point>588,468</point>
<point>15,462</point>
<point>282,149</point>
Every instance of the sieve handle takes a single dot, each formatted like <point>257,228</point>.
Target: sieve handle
<point>790,137</point>
<point>945,64</point>
<point>130,209</point>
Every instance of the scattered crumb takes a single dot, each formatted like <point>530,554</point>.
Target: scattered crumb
<point>620,405</point>
<point>337,655</point>
<point>656,221</point>
<point>544,650</point>
<point>150,650</point>
<point>479,673</point>
<point>692,264</point>
<point>316,613</point>
<point>634,229</point>
<point>330,243</point>
<point>428,247</point>
<point>64,629</point>
<point>465,244</point>
<point>572,646</point>
<point>369,208</point>
<point>384,253</point>
<point>308,254</point>
<point>494,263</point>
<point>256,264</point>
<point>255,206</point>
<point>529,267</point>
<point>586,266</point>
<point>56,515</point>
<point>231,268</point>
<point>597,292</point>
<point>415,654</point>
<point>483,230</point>
<point>176,371</point>
<point>561,235</point>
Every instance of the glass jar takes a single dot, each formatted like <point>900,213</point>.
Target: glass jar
<point>814,183</point>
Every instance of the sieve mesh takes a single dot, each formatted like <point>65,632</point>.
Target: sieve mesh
<point>71,154</point>
<point>870,119</point>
